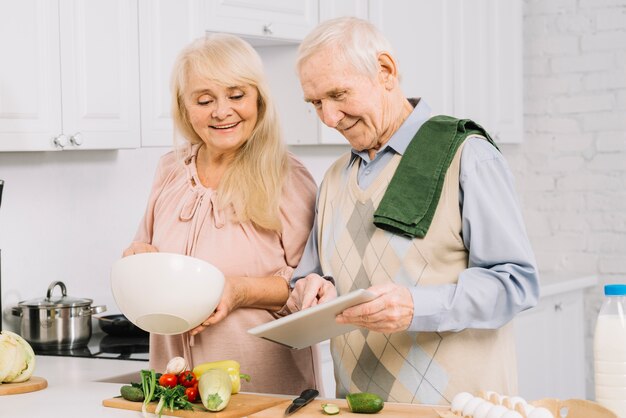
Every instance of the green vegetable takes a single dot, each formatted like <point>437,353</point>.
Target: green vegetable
<point>365,403</point>
<point>170,398</point>
<point>17,359</point>
<point>131,393</point>
<point>330,408</point>
<point>214,387</point>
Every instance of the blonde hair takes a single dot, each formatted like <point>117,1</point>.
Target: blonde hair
<point>355,41</point>
<point>253,182</point>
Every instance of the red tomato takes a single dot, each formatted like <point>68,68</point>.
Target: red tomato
<point>192,394</point>
<point>187,379</point>
<point>168,380</point>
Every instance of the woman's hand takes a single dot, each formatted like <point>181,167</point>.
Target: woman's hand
<point>137,247</point>
<point>232,298</point>
<point>310,291</point>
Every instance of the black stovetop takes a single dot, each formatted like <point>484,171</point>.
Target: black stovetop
<point>105,346</point>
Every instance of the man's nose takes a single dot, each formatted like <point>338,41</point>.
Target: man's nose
<point>330,114</point>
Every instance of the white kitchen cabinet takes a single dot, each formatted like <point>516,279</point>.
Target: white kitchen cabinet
<point>72,81</point>
<point>165,27</point>
<point>488,66</point>
<point>550,342</point>
<point>30,87</point>
<point>464,57</point>
<point>285,20</point>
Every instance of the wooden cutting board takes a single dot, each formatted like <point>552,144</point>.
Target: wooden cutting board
<point>391,410</point>
<point>31,385</point>
<point>240,405</point>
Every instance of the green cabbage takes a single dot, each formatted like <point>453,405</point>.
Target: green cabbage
<point>17,359</point>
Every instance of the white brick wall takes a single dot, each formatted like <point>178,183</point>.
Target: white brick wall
<point>572,177</point>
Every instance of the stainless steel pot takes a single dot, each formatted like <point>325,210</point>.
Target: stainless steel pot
<point>61,322</point>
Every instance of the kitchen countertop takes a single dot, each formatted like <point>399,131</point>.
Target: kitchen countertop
<point>76,388</point>
<point>553,284</point>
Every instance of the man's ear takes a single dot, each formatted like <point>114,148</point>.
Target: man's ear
<point>388,70</point>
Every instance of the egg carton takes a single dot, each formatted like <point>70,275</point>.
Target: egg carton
<point>494,405</point>
<point>574,408</point>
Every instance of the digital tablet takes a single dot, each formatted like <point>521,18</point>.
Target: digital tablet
<point>313,325</point>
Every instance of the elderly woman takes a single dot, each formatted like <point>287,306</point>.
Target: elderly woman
<point>233,196</point>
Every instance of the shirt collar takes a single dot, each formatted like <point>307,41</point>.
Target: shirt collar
<point>401,138</point>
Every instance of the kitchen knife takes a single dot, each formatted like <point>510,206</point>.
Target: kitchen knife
<point>304,398</point>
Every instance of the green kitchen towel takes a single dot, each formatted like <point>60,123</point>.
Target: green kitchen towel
<point>409,203</point>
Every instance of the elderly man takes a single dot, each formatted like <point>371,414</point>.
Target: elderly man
<point>423,213</point>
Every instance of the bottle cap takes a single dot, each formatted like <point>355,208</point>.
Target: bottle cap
<point>615,290</point>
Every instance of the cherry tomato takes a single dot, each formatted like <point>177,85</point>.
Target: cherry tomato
<point>192,394</point>
<point>168,380</point>
<point>187,379</point>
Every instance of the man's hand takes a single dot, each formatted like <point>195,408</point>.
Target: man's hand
<point>391,311</point>
<point>310,291</point>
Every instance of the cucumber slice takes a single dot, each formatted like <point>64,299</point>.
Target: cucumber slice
<point>330,409</point>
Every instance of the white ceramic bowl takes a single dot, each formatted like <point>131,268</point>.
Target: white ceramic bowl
<point>166,293</point>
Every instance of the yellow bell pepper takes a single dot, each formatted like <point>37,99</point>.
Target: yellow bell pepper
<point>230,366</point>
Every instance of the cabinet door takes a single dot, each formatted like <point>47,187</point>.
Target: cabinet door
<point>30,89</point>
<point>100,73</point>
<point>419,32</point>
<point>550,348</point>
<point>275,19</point>
<point>165,27</point>
<point>488,73</point>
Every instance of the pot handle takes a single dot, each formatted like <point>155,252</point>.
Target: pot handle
<point>16,311</point>
<point>52,286</point>
<point>91,310</point>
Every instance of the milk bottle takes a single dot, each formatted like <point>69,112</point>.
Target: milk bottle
<point>609,350</point>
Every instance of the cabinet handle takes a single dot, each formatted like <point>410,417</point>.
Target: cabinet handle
<point>76,139</point>
<point>60,141</point>
<point>558,306</point>
<point>267,29</point>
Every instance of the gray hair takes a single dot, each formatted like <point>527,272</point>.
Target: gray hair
<point>356,41</point>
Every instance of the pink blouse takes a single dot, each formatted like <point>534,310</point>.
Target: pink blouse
<point>182,217</point>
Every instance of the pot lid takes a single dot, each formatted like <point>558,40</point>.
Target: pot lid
<point>51,301</point>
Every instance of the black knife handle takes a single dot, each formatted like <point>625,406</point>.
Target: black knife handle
<point>306,397</point>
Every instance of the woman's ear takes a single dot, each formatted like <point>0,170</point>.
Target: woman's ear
<point>388,70</point>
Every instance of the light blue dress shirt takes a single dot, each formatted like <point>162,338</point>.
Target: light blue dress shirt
<point>501,279</point>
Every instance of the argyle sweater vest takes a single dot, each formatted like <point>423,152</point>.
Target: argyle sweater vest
<point>408,367</point>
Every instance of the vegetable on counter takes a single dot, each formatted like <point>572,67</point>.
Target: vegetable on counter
<point>187,379</point>
<point>364,403</point>
<point>215,388</point>
<point>17,359</point>
<point>168,380</point>
<point>330,409</point>
<point>172,398</point>
<point>230,366</point>
<point>132,393</point>
<point>176,366</point>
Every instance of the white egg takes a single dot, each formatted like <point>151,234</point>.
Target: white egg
<point>514,400</point>
<point>459,401</point>
<point>486,394</point>
<point>497,411</point>
<point>527,408</point>
<point>483,409</point>
<point>512,414</point>
<point>471,405</point>
<point>540,412</point>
